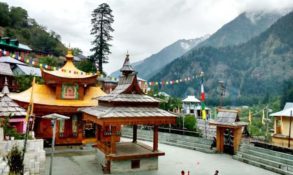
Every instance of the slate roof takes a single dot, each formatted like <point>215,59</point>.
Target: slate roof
<point>5,69</point>
<point>128,98</point>
<point>127,91</point>
<point>28,70</point>
<point>8,59</point>
<point>127,66</point>
<point>288,112</point>
<point>288,105</point>
<point>192,99</point>
<point>115,112</point>
<point>8,106</point>
<point>227,117</point>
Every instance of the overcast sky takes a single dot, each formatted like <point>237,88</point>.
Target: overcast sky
<point>142,27</point>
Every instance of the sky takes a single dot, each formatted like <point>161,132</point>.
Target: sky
<point>142,27</point>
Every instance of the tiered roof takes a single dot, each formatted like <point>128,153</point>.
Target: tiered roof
<point>128,104</point>
<point>68,73</point>
<point>8,106</point>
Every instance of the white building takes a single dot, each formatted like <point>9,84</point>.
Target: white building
<point>192,105</point>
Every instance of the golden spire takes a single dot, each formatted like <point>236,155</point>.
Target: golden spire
<point>69,54</point>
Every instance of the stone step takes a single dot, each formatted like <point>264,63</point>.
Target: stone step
<point>267,151</point>
<point>262,165</point>
<point>267,156</point>
<point>193,147</point>
<point>189,145</point>
<point>266,161</point>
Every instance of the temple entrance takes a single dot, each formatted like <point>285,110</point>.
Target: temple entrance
<point>228,141</point>
<point>89,130</point>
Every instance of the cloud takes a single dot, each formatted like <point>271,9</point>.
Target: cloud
<point>141,27</point>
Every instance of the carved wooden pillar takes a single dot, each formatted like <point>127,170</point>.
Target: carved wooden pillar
<point>113,143</point>
<point>155,139</point>
<point>134,136</point>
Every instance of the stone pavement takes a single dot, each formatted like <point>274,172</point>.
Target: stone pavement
<point>175,160</point>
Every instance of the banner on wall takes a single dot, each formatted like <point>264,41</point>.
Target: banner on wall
<point>61,128</point>
<point>74,125</point>
<point>69,91</point>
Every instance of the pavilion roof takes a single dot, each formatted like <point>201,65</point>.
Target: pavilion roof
<point>8,59</point>
<point>8,106</point>
<point>5,69</point>
<point>69,70</point>
<point>121,112</point>
<point>227,117</point>
<point>45,95</point>
<point>128,104</point>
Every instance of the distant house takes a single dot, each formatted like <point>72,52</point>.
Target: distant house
<point>190,105</point>
<point>283,134</point>
<point>107,84</point>
<point>142,84</point>
<point>9,45</point>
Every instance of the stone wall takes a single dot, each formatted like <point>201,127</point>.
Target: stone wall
<point>208,131</point>
<point>124,166</point>
<point>34,159</point>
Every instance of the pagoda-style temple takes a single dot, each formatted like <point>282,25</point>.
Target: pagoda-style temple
<point>126,105</point>
<point>8,108</point>
<point>64,91</point>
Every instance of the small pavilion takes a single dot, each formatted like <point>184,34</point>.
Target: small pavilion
<point>229,130</point>
<point>63,92</point>
<point>8,108</point>
<point>283,126</point>
<point>127,105</point>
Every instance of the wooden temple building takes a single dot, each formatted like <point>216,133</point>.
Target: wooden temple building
<point>63,92</point>
<point>229,130</point>
<point>126,105</point>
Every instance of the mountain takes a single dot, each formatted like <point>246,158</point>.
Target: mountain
<point>241,29</point>
<point>151,65</point>
<point>250,70</point>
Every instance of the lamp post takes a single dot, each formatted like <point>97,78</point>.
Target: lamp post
<point>54,117</point>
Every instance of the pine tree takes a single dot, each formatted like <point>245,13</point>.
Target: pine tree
<point>101,21</point>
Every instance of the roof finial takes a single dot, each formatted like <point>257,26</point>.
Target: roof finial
<point>126,68</point>
<point>69,54</point>
<point>5,89</point>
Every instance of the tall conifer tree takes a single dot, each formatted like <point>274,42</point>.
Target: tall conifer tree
<point>101,22</point>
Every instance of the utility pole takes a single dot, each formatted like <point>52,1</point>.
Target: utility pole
<point>222,93</point>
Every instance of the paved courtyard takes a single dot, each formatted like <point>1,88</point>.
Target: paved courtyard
<point>175,160</point>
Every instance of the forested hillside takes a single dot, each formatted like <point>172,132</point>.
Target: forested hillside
<point>15,23</point>
<point>252,71</point>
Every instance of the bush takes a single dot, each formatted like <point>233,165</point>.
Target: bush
<point>15,161</point>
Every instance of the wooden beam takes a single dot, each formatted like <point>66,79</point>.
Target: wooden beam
<point>155,139</point>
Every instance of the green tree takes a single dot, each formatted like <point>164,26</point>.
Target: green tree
<point>18,17</point>
<point>76,51</point>
<point>287,95</point>
<point>102,19</point>
<point>4,14</point>
<point>86,66</point>
<point>51,61</point>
